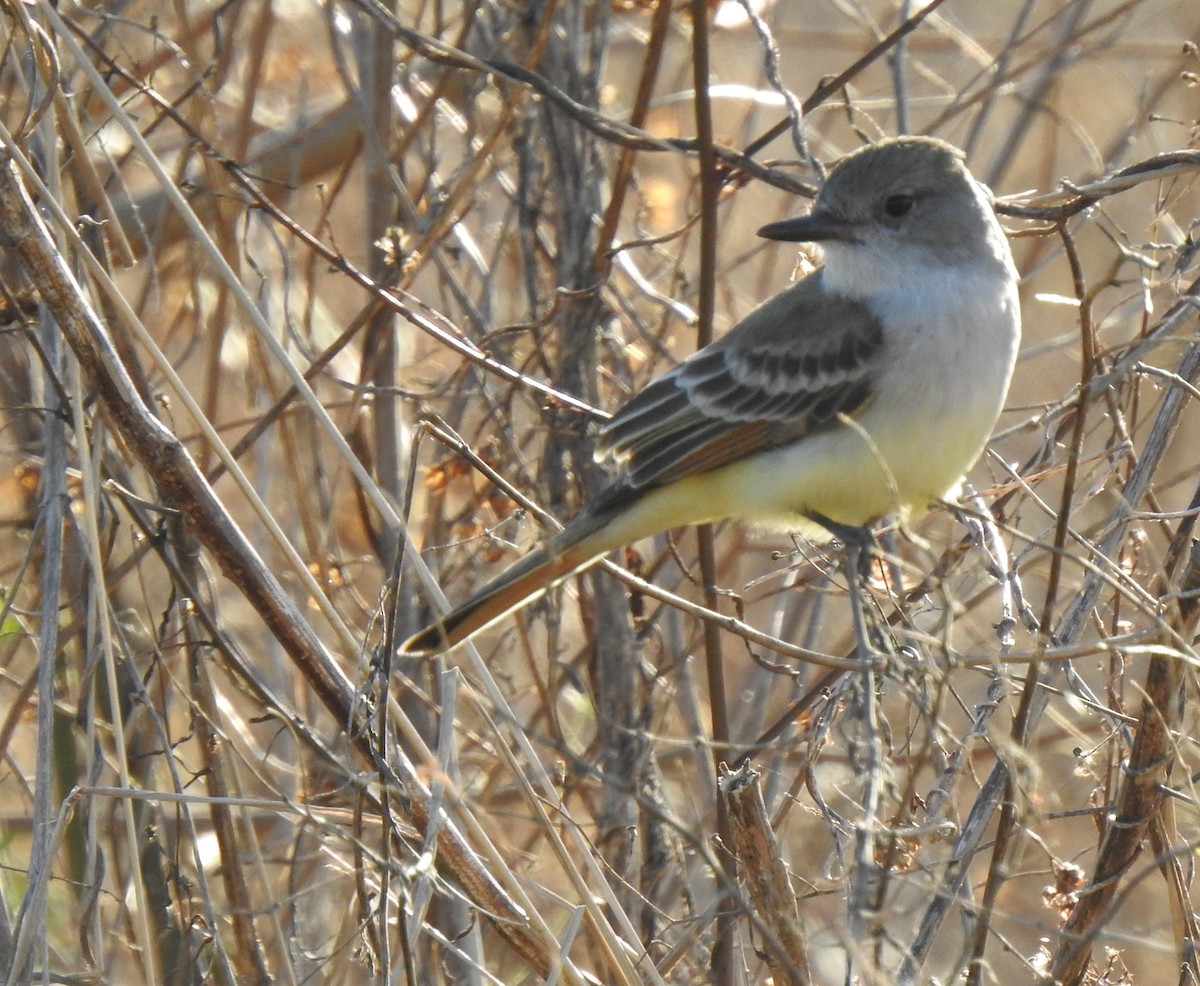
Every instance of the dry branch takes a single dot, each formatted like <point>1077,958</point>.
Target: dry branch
<point>1145,776</point>
<point>762,869</point>
<point>182,487</point>
<point>524,198</point>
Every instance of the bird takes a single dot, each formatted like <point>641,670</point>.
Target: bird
<point>865,390</point>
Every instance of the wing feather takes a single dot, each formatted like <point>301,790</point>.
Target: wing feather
<point>789,368</point>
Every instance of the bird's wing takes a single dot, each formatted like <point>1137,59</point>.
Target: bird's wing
<point>789,368</point>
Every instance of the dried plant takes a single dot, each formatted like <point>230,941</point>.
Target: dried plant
<point>310,312</point>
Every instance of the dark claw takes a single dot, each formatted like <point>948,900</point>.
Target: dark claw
<point>859,541</point>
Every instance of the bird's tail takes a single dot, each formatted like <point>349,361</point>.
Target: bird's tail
<point>574,548</point>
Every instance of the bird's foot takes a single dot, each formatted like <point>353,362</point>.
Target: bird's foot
<point>858,541</point>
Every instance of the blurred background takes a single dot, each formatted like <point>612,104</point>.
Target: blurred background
<point>310,313</point>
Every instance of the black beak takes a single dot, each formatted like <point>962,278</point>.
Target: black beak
<point>812,228</point>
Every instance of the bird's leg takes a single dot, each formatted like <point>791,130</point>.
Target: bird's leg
<point>859,543</point>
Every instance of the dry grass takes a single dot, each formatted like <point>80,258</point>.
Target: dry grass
<point>380,278</point>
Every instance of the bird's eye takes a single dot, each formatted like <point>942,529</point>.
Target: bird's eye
<point>898,205</point>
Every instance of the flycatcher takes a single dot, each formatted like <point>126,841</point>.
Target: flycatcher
<point>866,389</point>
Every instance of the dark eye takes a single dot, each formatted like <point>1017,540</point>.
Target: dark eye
<point>898,205</point>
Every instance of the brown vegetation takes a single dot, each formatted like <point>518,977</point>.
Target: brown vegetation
<point>309,313</point>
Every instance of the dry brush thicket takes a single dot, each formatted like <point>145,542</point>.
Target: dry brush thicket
<point>310,309</point>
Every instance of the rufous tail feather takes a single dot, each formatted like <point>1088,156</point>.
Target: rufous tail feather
<point>573,549</point>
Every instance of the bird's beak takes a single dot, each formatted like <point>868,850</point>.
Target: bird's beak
<point>813,228</point>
